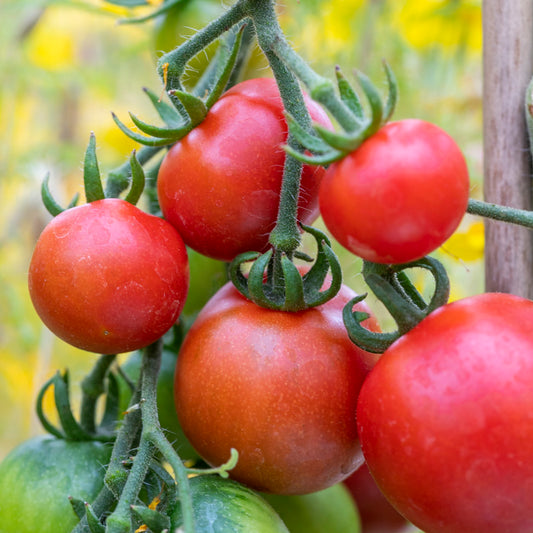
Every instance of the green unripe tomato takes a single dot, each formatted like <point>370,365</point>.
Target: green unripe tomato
<point>39,475</point>
<point>326,511</point>
<point>225,506</point>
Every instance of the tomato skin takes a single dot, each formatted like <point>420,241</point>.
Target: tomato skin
<point>398,196</point>
<point>39,475</point>
<point>279,387</point>
<point>107,277</point>
<point>445,418</point>
<point>219,186</point>
<point>224,506</point>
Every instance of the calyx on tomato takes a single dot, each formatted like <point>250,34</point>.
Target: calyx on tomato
<point>403,301</point>
<point>187,109</point>
<point>328,146</point>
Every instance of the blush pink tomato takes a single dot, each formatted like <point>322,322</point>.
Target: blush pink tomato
<point>219,186</point>
<point>445,418</point>
<point>107,277</point>
<point>398,196</point>
<point>281,388</point>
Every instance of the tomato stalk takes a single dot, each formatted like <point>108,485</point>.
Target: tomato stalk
<point>92,388</point>
<point>503,213</point>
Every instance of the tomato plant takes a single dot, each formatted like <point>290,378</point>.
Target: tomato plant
<point>219,186</point>
<point>279,387</point>
<point>39,475</point>
<point>224,506</point>
<point>445,421</point>
<point>107,277</point>
<point>398,196</point>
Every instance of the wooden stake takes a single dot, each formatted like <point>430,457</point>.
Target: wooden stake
<point>508,68</point>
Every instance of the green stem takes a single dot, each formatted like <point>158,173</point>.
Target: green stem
<point>92,388</point>
<point>511,215</point>
<point>153,434</point>
<point>178,58</point>
<point>271,38</point>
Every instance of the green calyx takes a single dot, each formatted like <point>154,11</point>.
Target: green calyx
<point>99,382</point>
<point>275,282</point>
<point>403,301</point>
<point>327,146</point>
<point>186,110</point>
<point>129,175</point>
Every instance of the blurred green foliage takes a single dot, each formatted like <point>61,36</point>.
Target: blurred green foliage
<point>65,65</point>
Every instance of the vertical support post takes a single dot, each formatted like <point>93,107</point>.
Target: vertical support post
<point>507,70</point>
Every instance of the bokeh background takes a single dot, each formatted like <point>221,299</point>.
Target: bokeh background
<point>65,65</point>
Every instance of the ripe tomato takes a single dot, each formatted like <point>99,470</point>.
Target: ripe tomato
<point>376,513</point>
<point>279,387</point>
<point>107,277</point>
<point>399,196</point>
<point>37,478</point>
<point>224,506</point>
<point>445,418</point>
<point>219,186</point>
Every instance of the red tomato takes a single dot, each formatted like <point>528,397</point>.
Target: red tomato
<point>219,186</point>
<point>107,277</point>
<point>376,513</point>
<point>279,387</point>
<point>445,418</point>
<point>399,196</point>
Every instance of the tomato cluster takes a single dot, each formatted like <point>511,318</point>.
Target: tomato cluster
<point>442,418</point>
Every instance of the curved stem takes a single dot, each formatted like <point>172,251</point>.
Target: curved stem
<point>92,388</point>
<point>511,215</point>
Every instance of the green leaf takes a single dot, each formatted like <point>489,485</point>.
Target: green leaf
<point>227,59</point>
<point>50,203</point>
<point>374,99</point>
<point>95,526</point>
<point>156,521</point>
<point>169,115</point>
<point>349,96</point>
<point>137,180</point>
<point>323,159</point>
<point>78,506</point>
<point>392,97</point>
<point>195,107</point>
<point>163,133</point>
<point>305,138</point>
<point>91,173</point>
<point>142,139</point>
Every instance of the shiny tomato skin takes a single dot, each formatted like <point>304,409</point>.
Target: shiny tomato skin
<point>398,196</point>
<point>219,186</point>
<point>445,418</point>
<point>279,387</point>
<point>107,277</point>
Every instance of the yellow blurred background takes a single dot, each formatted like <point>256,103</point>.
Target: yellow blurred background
<point>65,65</point>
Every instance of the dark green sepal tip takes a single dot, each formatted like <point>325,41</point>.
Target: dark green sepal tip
<point>400,297</point>
<point>155,521</point>
<point>275,282</point>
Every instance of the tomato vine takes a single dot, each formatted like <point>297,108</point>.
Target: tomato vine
<point>136,273</point>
